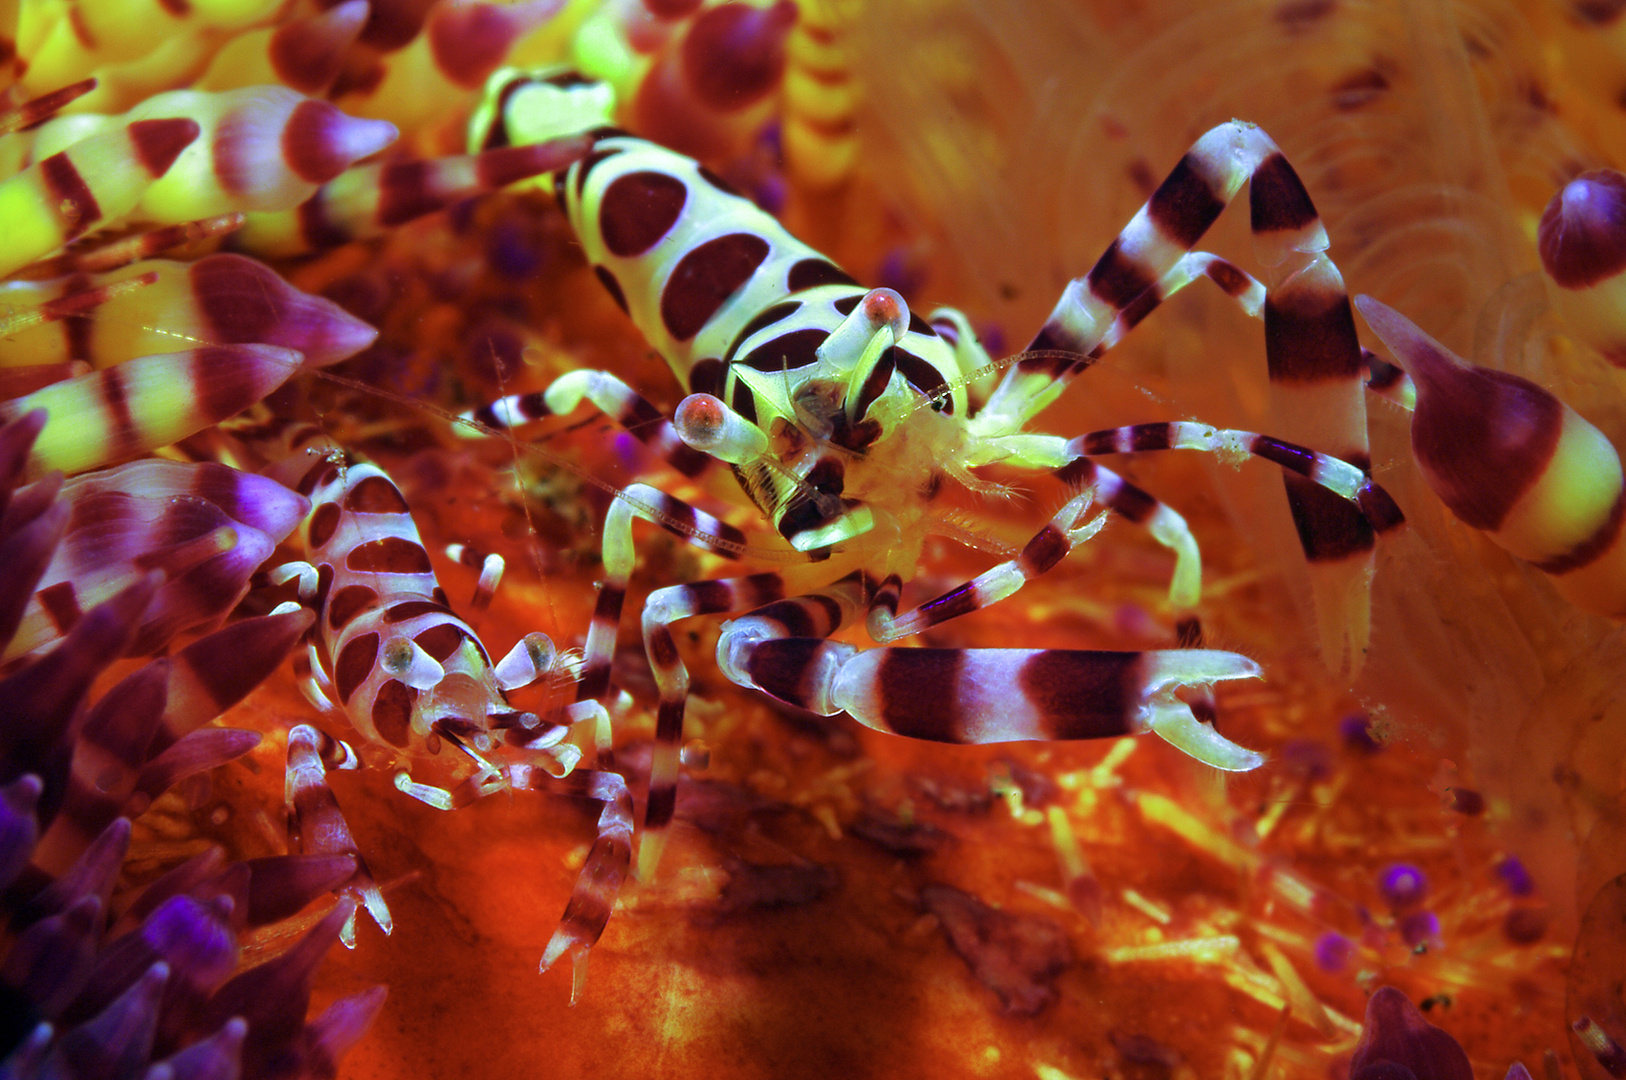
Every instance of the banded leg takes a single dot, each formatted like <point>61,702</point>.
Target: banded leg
<point>991,695</point>
<point>1312,352</point>
<point>619,557</point>
<point>593,898</point>
<point>610,396</point>
<point>1329,474</point>
<point>1072,525</point>
<point>491,568</point>
<point>1142,508</point>
<point>1156,246</point>
<point>1316,381</point>
<point>671,514</point>
<point>317,824</point>
<point>1337,509</point>
<point>1139,507</point>
<point>1248,292</point>
<point>663,608</point>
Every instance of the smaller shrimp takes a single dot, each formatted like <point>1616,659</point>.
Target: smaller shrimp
<point>388,653</point>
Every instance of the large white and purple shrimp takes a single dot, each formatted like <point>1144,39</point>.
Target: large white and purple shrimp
<point>844,416</point>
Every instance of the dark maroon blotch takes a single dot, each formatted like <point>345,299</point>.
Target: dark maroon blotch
<point>1310,337</point>
<point>787,352</point>
<point>324,520</point>
<point>440,641</point>
<point>763,319</point>
<point>1277,198</point>
<point>744,401</point>
<point>347,603</point>
<point>1084,695</point>
<point>706,377</point>
<point>375,495</point>
<point>812,273</point>
<point>1133,503</point>
<point>1047,548</point>
<point>1118,279</point>
<point>919,693</point>
<point>638,209</point>
<point>354,664</point>
<point>705,278</point>
<point>392,711</point>
<point>1184,206</point>
<point>920,374</point>
<point>390,555</point>
<point>411,609</point>
<point>1330,527</point>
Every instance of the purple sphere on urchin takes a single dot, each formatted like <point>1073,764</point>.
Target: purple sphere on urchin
<point>1402,886</point>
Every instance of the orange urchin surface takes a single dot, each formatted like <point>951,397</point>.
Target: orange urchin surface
<point>838,902</point>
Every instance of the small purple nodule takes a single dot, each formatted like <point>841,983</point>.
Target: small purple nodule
<point>1518,879</point>
<point>1402,886</point>
<point>1333,952</point>
<point>1356,731</point>
<point>1421,929</point>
